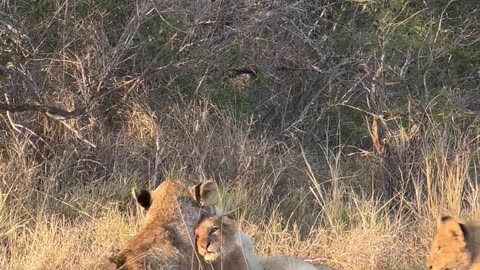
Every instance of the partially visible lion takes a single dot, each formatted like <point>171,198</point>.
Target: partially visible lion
<point>219,243</point>
<point>456,245</point>
<point>173,211</point>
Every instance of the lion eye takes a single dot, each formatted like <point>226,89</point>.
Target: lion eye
<point>214,229</point>
<point>439,249</point>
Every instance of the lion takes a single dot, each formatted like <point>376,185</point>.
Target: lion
<point>216,241</point>
<point>173,211</point>
<point>456,245</point>
<point>221,245</point>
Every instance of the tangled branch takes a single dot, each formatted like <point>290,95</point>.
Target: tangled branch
<point>51,112</point>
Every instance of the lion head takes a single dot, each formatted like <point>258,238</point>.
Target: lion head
<point>173,211</point>
<point>216,237</point>
<point>449,248</point>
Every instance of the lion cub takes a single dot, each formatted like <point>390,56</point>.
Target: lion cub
<point>219,243</point>
<point>216,242</point>
<point>456,245</point>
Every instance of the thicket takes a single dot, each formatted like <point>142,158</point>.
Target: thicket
<point>348,122</point>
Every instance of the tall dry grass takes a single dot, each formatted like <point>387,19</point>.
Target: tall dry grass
<point>285,201</point>
<point>273,100</point>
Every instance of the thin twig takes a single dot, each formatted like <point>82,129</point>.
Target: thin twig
<point>51,112</point>
<point>77,134</point>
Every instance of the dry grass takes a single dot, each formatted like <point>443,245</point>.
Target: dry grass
<point>319,217</point>
<point>274,100</point>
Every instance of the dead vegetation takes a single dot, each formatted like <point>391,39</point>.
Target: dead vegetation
<point>339,131</point>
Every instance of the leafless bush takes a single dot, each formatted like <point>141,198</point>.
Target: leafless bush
<point>340,119</point>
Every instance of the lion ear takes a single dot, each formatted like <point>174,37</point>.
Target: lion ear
<point>464,231</point>
<point>230,215</point>
<point>442,221</point>
<point>205,194</point>
<point>143,197</point>
<point>456,227</point>
<point>445,218</point>
<point>459,233</point>
<point>229,220</point>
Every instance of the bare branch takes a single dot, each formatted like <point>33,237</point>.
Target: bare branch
<point>51,112</point>
<point>78,135</point>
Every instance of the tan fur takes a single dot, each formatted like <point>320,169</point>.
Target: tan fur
<point>455,245</point>
<point>173,211</point>
<point>288,263</point>
<point>216,242</point>
<point>219,242</point>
